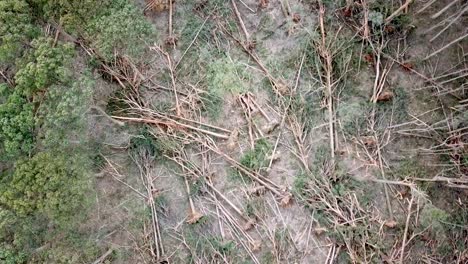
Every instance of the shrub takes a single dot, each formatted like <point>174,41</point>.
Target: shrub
<point>257,158</point>
<point>221,78</point>
<point>431,218</point>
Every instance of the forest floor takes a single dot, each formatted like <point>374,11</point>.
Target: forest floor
<point>287,131</point>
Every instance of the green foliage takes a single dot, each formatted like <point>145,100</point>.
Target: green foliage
<point>409,168</point>
<point>376,18</point>
<point>306,110</point>
<point>352,116</point>
<point>213,104</point>
<point>394,111</point>
<point>20,236</point>
<point>35,240</point>
<point>257,158</point>
<point>255,207</point>
<point>73,248</point>
<point>191,28</point>
<point>43,65</point>
<point>16,125</point>
<point>8,255</point>
<point>71,14</point>
<point>48,183</point>
<point>63,111</point>
<point>211,247</point>
<point>120,28</point>
<point>222,77</point>
<point>16,28</point>
<point>431,218</point>
<point>155,146</point>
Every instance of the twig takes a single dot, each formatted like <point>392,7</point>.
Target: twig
<point>99,109</point>
<point>104,256</point>
<point>171,124</point>
<point>119,180</point>
<point>286,113</point>
<point>170,18</point>
<point>171,69</point>
<point>246,6</point>
<point>379,83</point>
<point>397,12</point>
<point>450,23</point>
<point>436,15</point>
<point>276,83</point>
<point>325,54</point>
<point>238,15</point>
<point>451,182</point>
<point>365,22</point>
<point>194,214</point>
<point>8,80</point>
<point>191,43</point>
<point>405,234</point>
<point>426,6</point>
<point>264,181</point>
<point>254,102</point>
<point>285,8</point>
<point>233,206</point>
<point>446,46</point>
<point>143,162</point>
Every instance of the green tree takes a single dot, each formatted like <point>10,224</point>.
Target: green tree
<point>16,125</point>
<point>43,65</point>
<point>52,184</point>
<point>16,28</point>
<point>62,114</point>
<point>120,28</point>
<point>71,14</point>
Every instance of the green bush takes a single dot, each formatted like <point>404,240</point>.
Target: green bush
<point>431,218</point>
<point>221,77</point>
<point>257,158</point>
